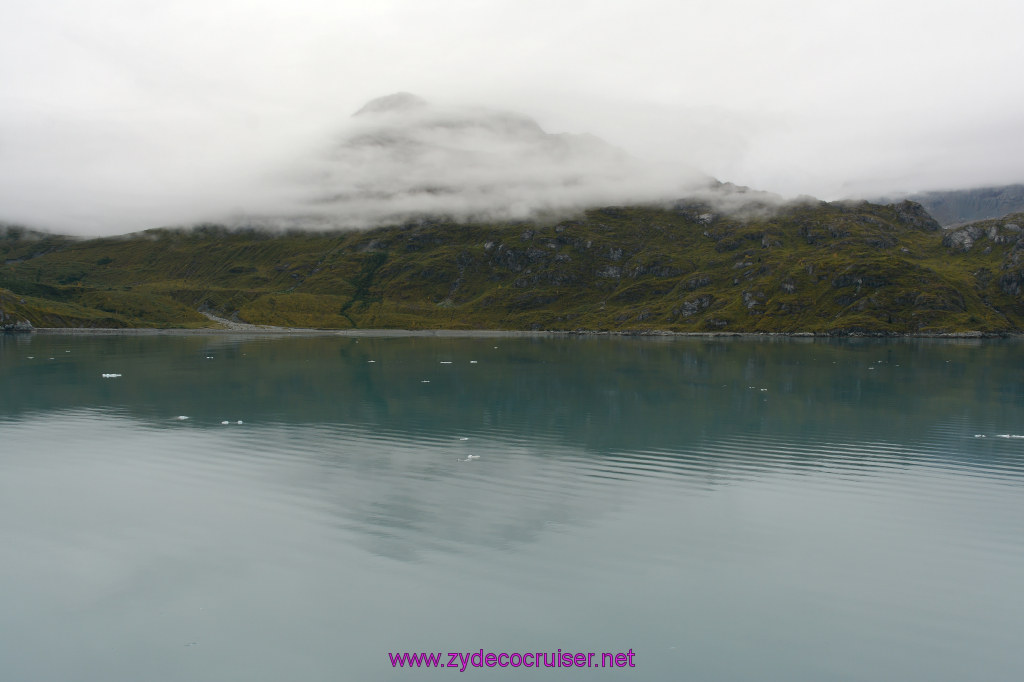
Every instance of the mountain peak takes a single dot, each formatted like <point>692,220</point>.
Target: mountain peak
<point>396,102</point>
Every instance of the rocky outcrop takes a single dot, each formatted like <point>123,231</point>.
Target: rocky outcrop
<point>19,326</point>
<point>964,238</point>
<point>914,215</point>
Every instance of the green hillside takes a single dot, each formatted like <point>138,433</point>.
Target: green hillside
<point>815,267</point>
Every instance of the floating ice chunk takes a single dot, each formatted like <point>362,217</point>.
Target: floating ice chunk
<point>181,418</point>
<point>107,376</point>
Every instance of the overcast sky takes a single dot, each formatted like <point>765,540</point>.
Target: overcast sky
<point>117,115</point>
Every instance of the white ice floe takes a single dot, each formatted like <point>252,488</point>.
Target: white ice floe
<point>107,376</point>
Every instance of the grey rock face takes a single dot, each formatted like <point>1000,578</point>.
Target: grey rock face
<point>694,306</point>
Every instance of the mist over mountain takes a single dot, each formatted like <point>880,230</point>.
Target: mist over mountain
<point>400,158</point>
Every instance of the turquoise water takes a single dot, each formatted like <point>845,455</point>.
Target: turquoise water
<point>727,509</point>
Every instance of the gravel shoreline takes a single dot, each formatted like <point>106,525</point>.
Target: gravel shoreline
<point>243,330</point>
<point>230,327</point>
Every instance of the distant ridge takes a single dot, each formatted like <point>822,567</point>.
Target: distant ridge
<point>957,207</point>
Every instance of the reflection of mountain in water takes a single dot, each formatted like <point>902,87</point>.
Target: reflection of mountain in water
<point>553,421</point>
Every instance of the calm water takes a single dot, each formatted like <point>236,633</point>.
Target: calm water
<point>727,509</point>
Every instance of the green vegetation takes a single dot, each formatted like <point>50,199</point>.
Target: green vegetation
<point>815,267</point>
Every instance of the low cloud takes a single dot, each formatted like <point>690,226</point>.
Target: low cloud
<point>399,158</point>
<point>402,158</point>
